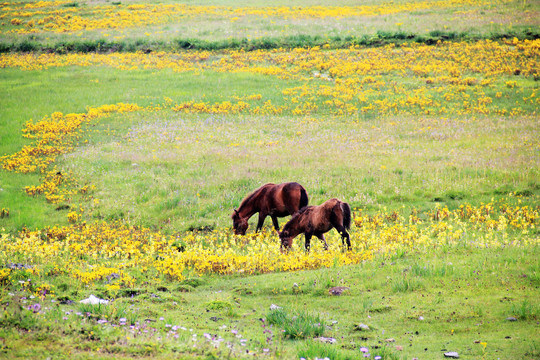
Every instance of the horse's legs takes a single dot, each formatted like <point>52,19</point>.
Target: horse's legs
<point>321,236</point>
<point>261,221</point>
<point>275,222</point>
<point>344,236</point>
<point>337,222</point>
<point>308,239</point>
<point>348,238</point>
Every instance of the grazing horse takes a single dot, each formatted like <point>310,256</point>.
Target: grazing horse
<point>316,220</point>
<point>269,200</point>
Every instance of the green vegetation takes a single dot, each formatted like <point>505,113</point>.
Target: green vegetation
<point>178,171</point>
<point>258,25</point>
<point>379,38</point>
<point>462,306</point>
<point>181,174</point>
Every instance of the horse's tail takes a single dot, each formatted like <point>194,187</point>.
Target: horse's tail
<point>346,215</point>
<point>304,200</point>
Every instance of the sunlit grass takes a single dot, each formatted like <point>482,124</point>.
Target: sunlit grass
<point>261,117</point>
<point>68,21</point>
<point>120,171</point>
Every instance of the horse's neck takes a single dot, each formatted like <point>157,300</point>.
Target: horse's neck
<point>248,207</point>
<point>295,231</point>
<point>295,227</point>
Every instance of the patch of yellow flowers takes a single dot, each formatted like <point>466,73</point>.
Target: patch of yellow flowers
<point>59,17</point>
<point>451,78</point>
<point>93,253</point>
<point>53,136</point>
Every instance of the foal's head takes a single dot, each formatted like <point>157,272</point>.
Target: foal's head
<point>240,224</point>
<point>292,228</point>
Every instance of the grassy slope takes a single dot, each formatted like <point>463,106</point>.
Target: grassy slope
<point>464,298</point>
<point>189,161</point>
<point>506,17</point>
<point>228,158</point>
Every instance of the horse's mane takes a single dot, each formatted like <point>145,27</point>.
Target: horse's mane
<point>301,211</point>
<point>251,197</point>
<point>296,215</point>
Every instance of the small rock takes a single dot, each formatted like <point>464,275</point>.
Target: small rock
<point>326,340</point>
<point>451,354</point>
<point>361,327</point>
<point>511,318</point>
<point>93,300</point>
<point>338,290</point>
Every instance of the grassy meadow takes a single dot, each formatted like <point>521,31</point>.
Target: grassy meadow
<point>129,132</point>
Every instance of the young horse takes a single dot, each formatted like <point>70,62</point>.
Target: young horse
<point>269,200</point>
<point>316,220</point>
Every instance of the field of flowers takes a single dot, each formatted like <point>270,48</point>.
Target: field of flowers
<point>49,270</point>
<point>90,25</point>
<point>70,17</point>
<point>448,80</point>
<point>436,147</point>
<point>486,77</point>
<point>91,252</point>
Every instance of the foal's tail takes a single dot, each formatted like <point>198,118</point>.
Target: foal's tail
<point>303,199</point>
<point>346,215</point>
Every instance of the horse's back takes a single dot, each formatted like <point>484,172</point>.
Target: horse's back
<point>288,198</point>
<point>277,199</point>
<point>332,212</point>
<point>331,203</point>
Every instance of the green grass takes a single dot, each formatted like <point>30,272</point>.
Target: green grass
<point>177,172</point>
<point>296,325</point>
<point>456,309</point>
<point>198,181</point>
<point>379,38</point>
<point>468,21</point>
<point>72,91</point>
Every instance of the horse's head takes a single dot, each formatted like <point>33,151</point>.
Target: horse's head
<point>286,239</point>
<point>240,224</point>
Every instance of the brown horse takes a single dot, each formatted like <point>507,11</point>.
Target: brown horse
<point>316,220</point>
<point>269,200</point>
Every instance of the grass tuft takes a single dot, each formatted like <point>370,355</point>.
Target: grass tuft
<point>296,324</point>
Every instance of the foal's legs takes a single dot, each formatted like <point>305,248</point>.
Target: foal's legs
<point>321,236</point>
<point>344,236</point>
<point>337,221</point>
<point>308,239</point>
